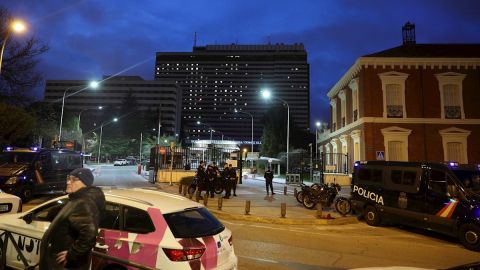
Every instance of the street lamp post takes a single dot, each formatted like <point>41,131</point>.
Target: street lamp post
<point>211,129</point>
<point>14,26</point>
<point>317,124</point>
<point>266,94</point>
<point>100,139</point>
<point>237,111</point>
<point>92,84</point>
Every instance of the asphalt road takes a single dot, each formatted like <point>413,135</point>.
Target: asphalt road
<point>307,247</point>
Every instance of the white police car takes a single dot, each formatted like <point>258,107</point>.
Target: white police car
<point>9,203</point>
<point>141,227</point>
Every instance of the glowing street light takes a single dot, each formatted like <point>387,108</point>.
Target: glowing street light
<point>317,124</point>
<point>16,26</point>
<point>92,85</point>
<point>101,133</point>
<point>267,95</point>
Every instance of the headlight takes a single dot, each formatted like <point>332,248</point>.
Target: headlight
<point>12,180</point>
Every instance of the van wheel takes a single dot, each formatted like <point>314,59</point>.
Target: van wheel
<point>469,235</point>
<point>26,194</point>
<point>371,215</point>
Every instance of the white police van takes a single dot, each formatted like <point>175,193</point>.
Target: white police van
<point>423,195</point>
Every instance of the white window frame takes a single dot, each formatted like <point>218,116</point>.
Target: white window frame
<point>393,77</point>
<point>457,135</point>
<point>353,85</point>
<point>356,136</point>
<point>450,78</point>
<point>343,107</point>
<point>333,103</point>
<point>396,134</point>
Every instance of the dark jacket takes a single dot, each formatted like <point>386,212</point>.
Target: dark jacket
<point>74,229</point>
<point>268,175</point>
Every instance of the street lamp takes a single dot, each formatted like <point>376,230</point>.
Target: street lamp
<point>15,26</point>
<point>237,111</point>
<point>211,129</point>
<point>80,114</point>
<point>267,95</point>
<point>92,85</point>
<point>317,124</point>
<point>101,133</point>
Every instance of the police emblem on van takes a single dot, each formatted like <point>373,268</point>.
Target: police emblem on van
<point>368,194</point>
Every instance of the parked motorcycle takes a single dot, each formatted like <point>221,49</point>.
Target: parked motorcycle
<point>305,189</point>
<point>325,195</point>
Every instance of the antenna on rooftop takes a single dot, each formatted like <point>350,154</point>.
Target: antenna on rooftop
<point>408,34</point>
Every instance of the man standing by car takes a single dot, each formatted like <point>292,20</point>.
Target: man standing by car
<point>68,242</point>
<point>233,178</point>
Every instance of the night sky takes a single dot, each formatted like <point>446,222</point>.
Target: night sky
<point>89,39</point>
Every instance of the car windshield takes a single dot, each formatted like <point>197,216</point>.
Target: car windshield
<point>17,157</point>
<point>193,223</point>
<point>469,178</point>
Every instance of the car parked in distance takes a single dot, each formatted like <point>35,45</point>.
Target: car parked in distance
<point>160,230</point>
<point>9,203</point>
<point>120,162</point>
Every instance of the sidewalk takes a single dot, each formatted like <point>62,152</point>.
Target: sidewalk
<point>266,209</point>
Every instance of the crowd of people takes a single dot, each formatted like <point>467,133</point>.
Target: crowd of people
<point>207,178</point>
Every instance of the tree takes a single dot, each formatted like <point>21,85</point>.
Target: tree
<point>16,124</point>
<point>46,122</point>
<point>18,76</point>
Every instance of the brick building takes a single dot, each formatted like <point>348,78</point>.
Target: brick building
<point>415,102</point>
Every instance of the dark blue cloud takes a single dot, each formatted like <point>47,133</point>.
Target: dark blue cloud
<point>90,38</point>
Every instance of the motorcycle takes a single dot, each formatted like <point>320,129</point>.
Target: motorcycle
<point>325,195</point>
<point>305,189</point>
<point>343,206</point>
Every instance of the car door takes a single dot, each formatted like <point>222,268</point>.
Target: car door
<point>27,232</point>
<point>440,206</point>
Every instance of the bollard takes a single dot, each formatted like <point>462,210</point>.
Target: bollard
<point>220,203</point>
<point>180,189</point>
<point>295,192</point>
<point>283,210</point>
<point>247,208</point>
<point>205,201</point>
<point>285,190</point>
<point>319,210</point>
<point>185,188</point>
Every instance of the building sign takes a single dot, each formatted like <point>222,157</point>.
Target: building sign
<point>380,155</point>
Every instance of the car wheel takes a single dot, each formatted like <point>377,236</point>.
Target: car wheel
<point>309,204</point>
<point>300,197</point>
<point>372,217</point>
<point>469,235</point>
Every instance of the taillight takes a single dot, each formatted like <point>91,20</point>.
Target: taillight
<point>230,240</point>
<point>184,254</point>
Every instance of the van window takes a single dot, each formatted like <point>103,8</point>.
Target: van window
<point>438,181</point>
<point>59,161</point>
<point>403,180</point>
<point>74,161</point>
<point>370,175</point>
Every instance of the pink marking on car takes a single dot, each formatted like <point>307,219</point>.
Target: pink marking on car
<point>209,259</point>
<point>117,248</point>
<point>147,254</point>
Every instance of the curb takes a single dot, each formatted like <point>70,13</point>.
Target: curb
<point>286,221</point>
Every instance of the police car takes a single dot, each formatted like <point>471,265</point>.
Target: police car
<point>419,194</point>
<point>160,230</point>
<point>9,203</point>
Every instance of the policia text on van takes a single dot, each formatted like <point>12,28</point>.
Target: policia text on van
<point>25,172</point>
<point>425,195</point>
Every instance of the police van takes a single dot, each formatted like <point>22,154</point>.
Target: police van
<point>423,195</point>
<point>26,172</point>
